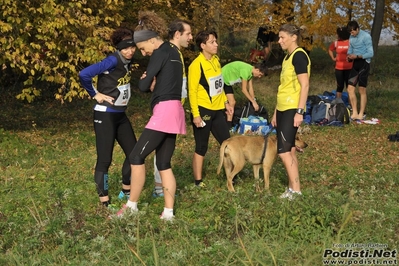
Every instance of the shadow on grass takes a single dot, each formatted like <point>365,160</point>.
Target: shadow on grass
<point>51,114</point>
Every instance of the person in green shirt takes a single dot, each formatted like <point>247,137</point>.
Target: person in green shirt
<point>241,72</point>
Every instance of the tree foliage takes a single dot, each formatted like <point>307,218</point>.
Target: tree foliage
<point>46,42</point>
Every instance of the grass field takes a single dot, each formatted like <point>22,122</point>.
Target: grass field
<point>50,214</point>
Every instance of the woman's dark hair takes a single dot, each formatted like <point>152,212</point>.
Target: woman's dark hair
<point>343,33</point>
<point>121,34</point>
<point>149,20</point>
<point>203,37</point>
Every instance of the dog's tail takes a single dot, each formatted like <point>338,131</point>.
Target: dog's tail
<point>221,155</point>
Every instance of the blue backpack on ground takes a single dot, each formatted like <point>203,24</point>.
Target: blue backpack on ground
<point>320,112</point>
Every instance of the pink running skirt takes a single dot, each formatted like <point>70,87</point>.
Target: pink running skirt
<point>168,117</point>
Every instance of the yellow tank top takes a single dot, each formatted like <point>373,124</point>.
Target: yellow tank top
<point>289,89</point>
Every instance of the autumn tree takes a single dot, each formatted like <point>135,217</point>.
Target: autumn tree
<point>46,42</point>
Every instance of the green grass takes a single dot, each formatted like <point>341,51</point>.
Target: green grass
<point>50,214</point>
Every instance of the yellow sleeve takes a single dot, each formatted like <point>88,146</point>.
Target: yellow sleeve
<point>193,80</point>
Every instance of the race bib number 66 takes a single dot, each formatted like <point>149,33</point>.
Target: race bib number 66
<point>216,85</point>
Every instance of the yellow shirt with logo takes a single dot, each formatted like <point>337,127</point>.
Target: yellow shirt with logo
<point>205,84</point>
<point>289,89</point>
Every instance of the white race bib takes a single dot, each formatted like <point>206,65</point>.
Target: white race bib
<point>216,85</point>
<point>184,88</point>
<point>100,108</point>
<point>124,95</point>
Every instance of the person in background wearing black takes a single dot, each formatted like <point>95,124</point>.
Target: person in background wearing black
<point>110,121</point>
<point>265,38</point>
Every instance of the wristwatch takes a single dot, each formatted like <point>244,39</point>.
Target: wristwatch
<point>300,111</point>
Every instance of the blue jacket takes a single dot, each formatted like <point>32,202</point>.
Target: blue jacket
<point>112,72</point>
<point>361,44</point>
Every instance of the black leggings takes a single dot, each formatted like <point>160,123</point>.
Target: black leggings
<point>286,132</point>
<point>359,73</point>
<point>342,77</point>
<point>215,123</point>
<point>228,89</point>
<point>150,140</point>
<point>108,128</point>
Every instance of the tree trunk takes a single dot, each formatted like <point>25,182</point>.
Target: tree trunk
<point>376,29</point>
<point>350,11</point>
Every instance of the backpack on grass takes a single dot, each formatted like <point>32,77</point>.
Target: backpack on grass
<point>338,112</point>
<point>320,112</point>
<point>248,110</point>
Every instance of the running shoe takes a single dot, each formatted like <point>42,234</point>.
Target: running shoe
<point>169,219</point>
<point>156,194</point>
<point>125,209</point>
<point>290,194</point>
<point>123,196</point>
<point>201,185</point>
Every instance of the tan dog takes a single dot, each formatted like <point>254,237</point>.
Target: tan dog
<point>235,151</point>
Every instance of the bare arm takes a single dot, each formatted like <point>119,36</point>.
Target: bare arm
<point>331,53</point>
<point>248,90</point>
<point>304,81</point>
